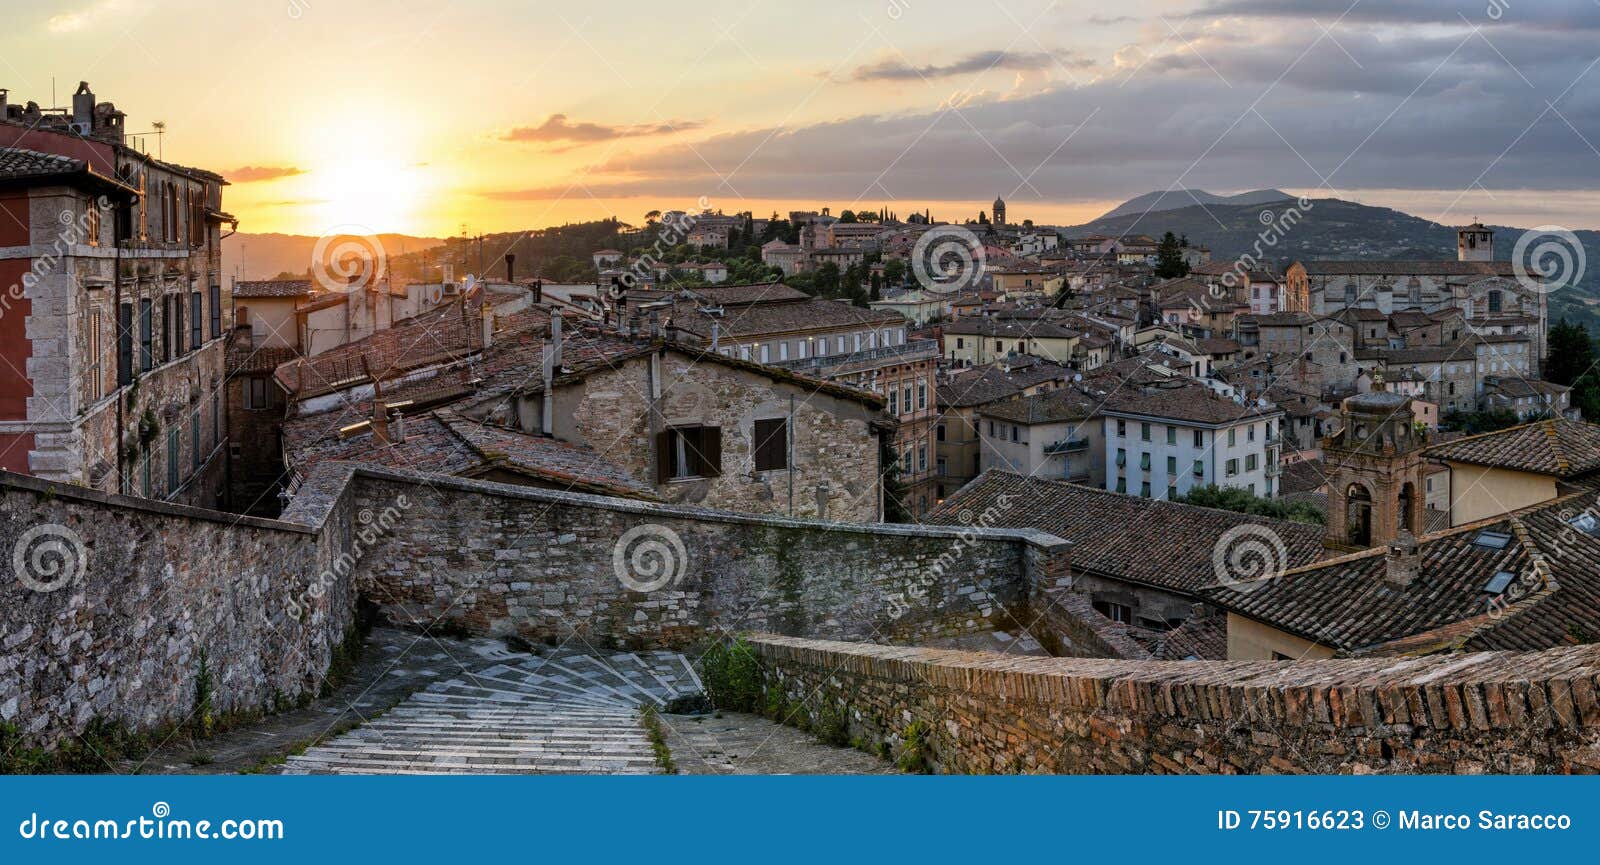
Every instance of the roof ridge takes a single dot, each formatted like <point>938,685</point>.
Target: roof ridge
<point>1556,447</point>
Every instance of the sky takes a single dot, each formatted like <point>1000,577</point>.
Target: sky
<point>434,118</point>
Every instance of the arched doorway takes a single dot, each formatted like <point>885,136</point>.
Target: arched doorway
<point>1358,515</point>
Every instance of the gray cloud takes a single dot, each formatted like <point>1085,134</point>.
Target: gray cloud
<point>257,173</point>
<point>980,61</point>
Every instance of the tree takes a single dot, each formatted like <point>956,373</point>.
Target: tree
<point>1245,502</point>
<point>1474,422</point>
<point>1169,258</point>
<point>1571,353</point>
<point>847,216</point>
<point>894,272</point>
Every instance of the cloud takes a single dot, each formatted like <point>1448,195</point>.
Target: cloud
<point>977,62</point>
<point>557,128</point>
<point>1541,14</point>
<point>256,173</point>
<point>82,19</point>
<point>1240,106</point>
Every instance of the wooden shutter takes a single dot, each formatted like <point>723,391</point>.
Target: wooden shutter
<point>710,451</point>
<point>663,456</point>
<point>772,445</point>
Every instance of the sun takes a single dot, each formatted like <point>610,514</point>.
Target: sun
<point>370,191</point>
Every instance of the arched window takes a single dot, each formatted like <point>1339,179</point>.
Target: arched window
<point>1358,515</point>
<point>1495,301</point>
<point>1405,519</point>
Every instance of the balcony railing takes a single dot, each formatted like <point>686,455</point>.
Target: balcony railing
<point>1067,446</point>
<point>915,349</point>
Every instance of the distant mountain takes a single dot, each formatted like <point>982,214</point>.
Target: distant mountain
<point>1332,228</point>
<point>263,256</point>
<point>1174,199</point>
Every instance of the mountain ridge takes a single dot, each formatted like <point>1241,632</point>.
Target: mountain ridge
<point>1175,199</point>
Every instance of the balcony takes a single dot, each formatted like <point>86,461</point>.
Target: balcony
<point>867,358</point>
<point>1067,446</point>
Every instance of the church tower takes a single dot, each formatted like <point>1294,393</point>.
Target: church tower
<point>999,212</point>
<point>1376,472</point>
<point>1474,242</point>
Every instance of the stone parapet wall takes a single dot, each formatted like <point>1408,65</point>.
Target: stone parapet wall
<point>984,713</point>
<point>548,565</point>
<point>143,590</point>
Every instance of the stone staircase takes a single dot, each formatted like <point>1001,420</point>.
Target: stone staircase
<point>569,713</point>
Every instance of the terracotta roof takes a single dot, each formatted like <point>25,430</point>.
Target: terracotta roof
<point>21,162</point>
<point>1346,603</point>
<point>1560,447</point>
<point>1000,380</point>
<point>1012,328</point>
<point>1071,402</point>
<point>273,288</point>
<point>1442,267</point>
<point>1139,540</point>
<point>1185,400</point>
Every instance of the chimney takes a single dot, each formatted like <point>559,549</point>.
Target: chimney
<point>83,109</point>
<point>380,422</point>
<point>511,268</point>
<point>449,274</point>
<point>488,326</point>
<point>716,335</point>
<point>1403,562</point>
<point>633,324</point>
<point>655,325</point>
<point>397,429</point>
<point>538,291</point>
<point>3,93</point>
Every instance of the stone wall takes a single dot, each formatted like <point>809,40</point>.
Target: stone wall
<point>984,713</point>
<point>117,598</point>
<point>550,565</point>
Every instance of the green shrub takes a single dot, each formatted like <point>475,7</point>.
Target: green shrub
<point>732,676</point>
<point>913,756</point>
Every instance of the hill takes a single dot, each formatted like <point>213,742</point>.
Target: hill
<point>1332,228</point>
<point>1174,199</point>
<point>263,256</point>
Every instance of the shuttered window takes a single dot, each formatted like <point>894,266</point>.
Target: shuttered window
<point>688,452</point>
<point>771,445</point>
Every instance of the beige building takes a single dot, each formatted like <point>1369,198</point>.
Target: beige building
<point>964,393</point>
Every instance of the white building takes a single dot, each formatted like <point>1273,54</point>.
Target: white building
<point>1165,439</point>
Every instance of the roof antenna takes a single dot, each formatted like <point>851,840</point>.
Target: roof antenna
<point>160,126</point>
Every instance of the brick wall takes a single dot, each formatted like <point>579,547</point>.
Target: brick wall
<point>122,642</point>
<point>1489,712</point>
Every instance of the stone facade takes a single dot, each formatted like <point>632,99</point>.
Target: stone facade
<point>146,589</point>
<point>985,713</point>
<point>550,565</point>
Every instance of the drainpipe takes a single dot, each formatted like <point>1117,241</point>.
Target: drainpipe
<point>789,434</point>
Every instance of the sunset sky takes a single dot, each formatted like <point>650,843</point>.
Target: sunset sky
<point>427,117</point>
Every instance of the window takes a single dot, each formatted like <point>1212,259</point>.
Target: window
<point>766,354</point>
<point>196,332</point>
<point>1115,612</point>
<point>1122,457</point>
<point>1144,462</point>
<point>922,458</point>
<point>1232,468</point>
<point>922,395</point>
<point>1250,433</point>
<point>146,336</point>
<point>125,344</point>
<point>1015,434</point>
<point>172,460</point>
<point>194,439</point>
<point>991,429</point>
<point>92,223</point>
<point>905,397</point>
<point>1199,469</point>
<point>1122,429</point>
<point>894,400</point>
<point>960,343</point>
<point>938,433</point>
<point>1172,435</point>
<point>1144,489</point>
<point>1250,463</point>
<point>688,452</point>
<point>1122,485</point>
<point>1233,437</point>
<point>259,394</point>
<point>772,445</point>
<point>1172,465</point>
<point>941,465</point>
<point>1199,439</point>
<point>216,418</point>
<point>1144,432</point>
<point>96,384</point>
<point>783,350</point>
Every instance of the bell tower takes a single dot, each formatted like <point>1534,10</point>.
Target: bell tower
<point>1474,242</point>
<point>1376,472</point>
<point>999,213</point>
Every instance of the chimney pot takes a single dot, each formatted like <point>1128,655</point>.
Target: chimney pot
<point>1403,562</point>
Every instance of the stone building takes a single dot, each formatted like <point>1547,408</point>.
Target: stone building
<point>1376,486</point>
<point>114,308</point>
<point>964,393</point>
<point>1164,439</point>
<point>1493,295</point>
<point>690,425</point>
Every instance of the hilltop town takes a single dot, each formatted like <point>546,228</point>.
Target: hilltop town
<point>865,451</point>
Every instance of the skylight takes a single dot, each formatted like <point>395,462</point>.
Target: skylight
<point>1498,582</point>
<point>1491,540</point>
